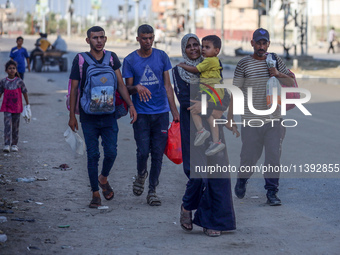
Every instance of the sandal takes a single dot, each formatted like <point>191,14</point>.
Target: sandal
<point>211,232</point>
<point>153,199</point>
<point>95,202</point>
<point>138,184</point>
<point>185,218</point>
<point>107,190</point>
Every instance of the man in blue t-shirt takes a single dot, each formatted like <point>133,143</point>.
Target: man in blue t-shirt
<point>146,73</point>
<point>19,54</point>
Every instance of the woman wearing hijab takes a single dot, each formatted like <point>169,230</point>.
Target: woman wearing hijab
<point>211,198</point>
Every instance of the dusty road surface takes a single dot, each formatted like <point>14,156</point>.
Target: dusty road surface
<point>307,222</point>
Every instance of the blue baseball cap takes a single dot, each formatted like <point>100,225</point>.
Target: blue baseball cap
<point>260,34</point>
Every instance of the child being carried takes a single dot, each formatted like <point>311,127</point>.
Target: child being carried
<point>210,74</point>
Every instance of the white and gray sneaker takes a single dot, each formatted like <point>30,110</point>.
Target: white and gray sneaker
<point>214,148</point>
<point>6,148</point>
<point>201,136</point>
<point>14,148</point>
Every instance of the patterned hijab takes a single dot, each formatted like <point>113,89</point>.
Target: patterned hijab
<point>185,75</point>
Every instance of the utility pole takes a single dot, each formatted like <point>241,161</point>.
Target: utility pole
<point>222,20</point>
<point>126,10</point>
<point>68,18</point>
<point>295,31</point>
<point>222,27</point>
<point>328,17</point>
<point>136,14</point>
<point>43,24</point>
<point>193,16</point>
<point>267,14</point>
<point>307,25</point>
<point>322,20</point>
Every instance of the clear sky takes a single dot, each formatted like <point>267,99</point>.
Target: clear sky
<point>82,7</point>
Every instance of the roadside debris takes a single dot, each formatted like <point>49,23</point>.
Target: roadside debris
<point>64,226</point>
<point>32,248</point>
<point>6,211</point>
<point>23,219</point>
<point>3,238</point>
<point>67,247</point>
<point>27,180</point>
<point>103,207</point>
<point>42,179</point>
<point>63,167</point>
<point>49,241</point>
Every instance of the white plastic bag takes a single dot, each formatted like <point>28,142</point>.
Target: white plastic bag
<point>272,83</point>
<point>75,141</point>
<point>26,113</point>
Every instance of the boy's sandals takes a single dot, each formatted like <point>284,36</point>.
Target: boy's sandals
<point>95,202</point>
<point>211,232</point>
<point>107,190</point>
<point>186,218</point>
<point>138,184</point>
<point>153,199</point>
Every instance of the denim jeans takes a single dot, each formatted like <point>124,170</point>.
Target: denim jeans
<point>108,133</point>
<point>253,141</point>
<point>151,134</point>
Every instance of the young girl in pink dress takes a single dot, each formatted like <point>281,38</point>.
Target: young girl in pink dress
<point>12,87</point>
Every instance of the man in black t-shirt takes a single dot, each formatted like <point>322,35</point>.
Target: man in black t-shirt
<point>94,126</point>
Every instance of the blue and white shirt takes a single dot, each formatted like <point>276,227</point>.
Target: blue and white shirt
<point>19,56</point>
<point>149,73</point>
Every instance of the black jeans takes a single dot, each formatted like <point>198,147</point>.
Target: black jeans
<point>151,134</point>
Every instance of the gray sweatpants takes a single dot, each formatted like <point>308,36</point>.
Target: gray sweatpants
<point>253,141</point>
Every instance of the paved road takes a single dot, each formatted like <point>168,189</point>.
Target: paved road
<point>307,223</point>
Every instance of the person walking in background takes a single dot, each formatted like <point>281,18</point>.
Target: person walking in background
<point>19,54</point>
<point>12,87</point>
<point>146,72</point>
<point>331,39</point>
<point>159,36</point>
<point>103,125</point>
<point>252,71</point>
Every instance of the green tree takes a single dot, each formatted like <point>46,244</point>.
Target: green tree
<point>63,26</point>
<point>74,26</point>
<point>30,24</point>
<point>52,23</point>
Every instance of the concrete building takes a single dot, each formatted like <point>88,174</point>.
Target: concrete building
<point>174,16</point>
<point>241,17</point>
<point>8,22</point>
